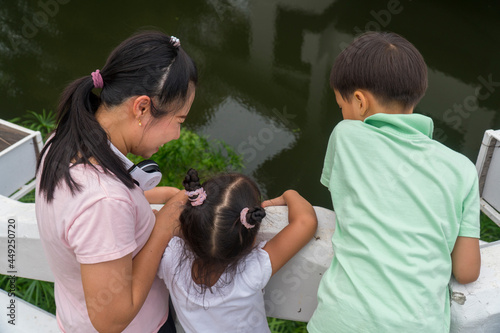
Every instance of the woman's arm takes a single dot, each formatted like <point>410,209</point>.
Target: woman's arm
<point>301,228</point>
<point>116,290</point>
<point>161,194</point>
<point>466,260</point>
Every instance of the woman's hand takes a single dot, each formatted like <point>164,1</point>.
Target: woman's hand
<point>167,218</point>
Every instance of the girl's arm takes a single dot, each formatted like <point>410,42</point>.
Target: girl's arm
<point>161,194</point>
<point>301,228</point>
<point>116,290</point>
<point>466,260</point>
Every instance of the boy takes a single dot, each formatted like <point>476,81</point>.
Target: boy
<point>407,207</point>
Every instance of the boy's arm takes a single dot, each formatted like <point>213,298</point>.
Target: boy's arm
<point>466,259</point>
<point>301,228</point>
<point>161,194</point>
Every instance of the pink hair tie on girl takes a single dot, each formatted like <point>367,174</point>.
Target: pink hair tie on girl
<point>97,78</point>
<point>243,219</point>
<point>201,196</point>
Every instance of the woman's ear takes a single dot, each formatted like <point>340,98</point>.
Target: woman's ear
<point>361,103</point>
<point>141,106</point>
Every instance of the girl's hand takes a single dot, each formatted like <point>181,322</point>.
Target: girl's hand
<point>278,201</point>
<point>300,230</point>
<point>160,194</point>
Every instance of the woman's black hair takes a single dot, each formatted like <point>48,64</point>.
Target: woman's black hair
<point>214,236</point>
<point>385,64</point>
<point>147,63</point>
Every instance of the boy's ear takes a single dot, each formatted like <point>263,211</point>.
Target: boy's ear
<point>361,102</point>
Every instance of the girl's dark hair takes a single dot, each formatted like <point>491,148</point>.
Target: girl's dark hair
<point>147,63</point>
<point>213,232</point>
<point>385,64</point>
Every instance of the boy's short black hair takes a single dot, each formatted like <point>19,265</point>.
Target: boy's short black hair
<point>383,63</point>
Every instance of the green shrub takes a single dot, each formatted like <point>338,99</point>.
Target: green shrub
<point>193,151</point>
<point>38,293</point>
<point>44,122</point>
<point>490,232</point>
<point>286,326</point>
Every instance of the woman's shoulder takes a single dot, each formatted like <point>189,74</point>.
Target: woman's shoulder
<point>97,183</point>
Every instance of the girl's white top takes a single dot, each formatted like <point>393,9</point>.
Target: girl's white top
<point>236,307</point>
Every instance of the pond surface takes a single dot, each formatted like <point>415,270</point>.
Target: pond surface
<point>264,68</point>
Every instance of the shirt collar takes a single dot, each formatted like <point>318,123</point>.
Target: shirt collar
<point>412,124</point>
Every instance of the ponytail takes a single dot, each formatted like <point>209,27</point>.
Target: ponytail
<point>252,216</point>
<point>78,137</point>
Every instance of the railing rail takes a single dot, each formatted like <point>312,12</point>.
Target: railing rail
<point>291,293</point>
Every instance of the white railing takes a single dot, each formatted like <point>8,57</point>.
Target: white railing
<point>291,293</point>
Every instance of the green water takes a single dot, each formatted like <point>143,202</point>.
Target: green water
<point>264,68</point>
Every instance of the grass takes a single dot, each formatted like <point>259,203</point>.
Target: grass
<point>490,232</point>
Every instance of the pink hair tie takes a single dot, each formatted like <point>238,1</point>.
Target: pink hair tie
<point>201,196</point>
<point>175,41</point>
<point>97,78</point>
<point>243,219</point>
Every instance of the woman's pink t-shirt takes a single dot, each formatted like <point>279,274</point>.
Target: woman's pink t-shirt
<point>102,222</point>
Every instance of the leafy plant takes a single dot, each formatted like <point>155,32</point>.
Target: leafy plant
<point>490,232</point>
<point>286,326</point>
<point>44,122</point>
<point>38,293</point>
<point>193,151</point>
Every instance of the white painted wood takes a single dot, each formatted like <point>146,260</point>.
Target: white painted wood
<point>30,259</point>
<point>18,161</point>
<point>488,168</point>
<point>475,307</point>
<point>291,293</point>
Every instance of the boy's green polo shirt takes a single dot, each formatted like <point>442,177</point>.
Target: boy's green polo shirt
<point>401,199</point>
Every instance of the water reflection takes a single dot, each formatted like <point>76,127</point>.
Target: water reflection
<point>257,138</point>
<point>257,57</point>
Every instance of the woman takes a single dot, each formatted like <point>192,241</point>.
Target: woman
<point>102,240</point>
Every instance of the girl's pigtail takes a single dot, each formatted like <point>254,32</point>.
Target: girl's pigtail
<point>191,182</point>
<point>194,191</point>
<point>251,216</point>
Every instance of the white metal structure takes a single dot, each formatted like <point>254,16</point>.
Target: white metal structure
<point>20,149</point>
<point>488,168</point>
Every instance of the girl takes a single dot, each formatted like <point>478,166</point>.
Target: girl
<point>101,238</point>
<point>216,272</point>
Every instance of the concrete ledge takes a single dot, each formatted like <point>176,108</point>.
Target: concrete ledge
<point>475,307</point>
<point>30,259</point>
<point>28,318</point>
<point>291,293</point>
